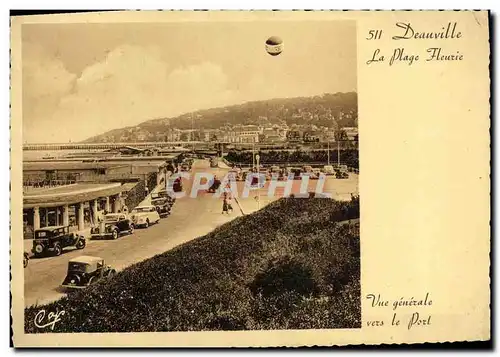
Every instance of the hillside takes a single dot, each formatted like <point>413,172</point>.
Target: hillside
<point>321,110</point>
<point>287,266</point>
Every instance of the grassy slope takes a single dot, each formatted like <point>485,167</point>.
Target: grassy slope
<point>285,267</point>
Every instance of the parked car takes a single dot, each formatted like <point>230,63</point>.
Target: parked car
<point>275,169</point>
<point>84,271</point>
<point>311,175</point>
<point>162,194</point>
<point>162,205</point>
<point>113,226</point>
<point>328,170</point>
<point>143,216</point>
<point>317,172</point>
<point>177,185</point>
<point>296,174</point>
<point>26,259</point>
<point>54,239</point>
<point>342,175</point>
<point>307,169</point>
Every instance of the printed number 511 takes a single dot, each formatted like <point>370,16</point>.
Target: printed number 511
<point>374,35</point>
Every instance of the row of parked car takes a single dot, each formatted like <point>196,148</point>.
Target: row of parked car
<point>86,270</point>
<point>282,173</point>
<point>51,240</point>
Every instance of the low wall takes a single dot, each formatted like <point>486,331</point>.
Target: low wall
<point>152,181</point>
<point>135,195</point>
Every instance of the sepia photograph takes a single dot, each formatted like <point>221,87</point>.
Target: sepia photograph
<point>192,179</point>
<point>190,176</point>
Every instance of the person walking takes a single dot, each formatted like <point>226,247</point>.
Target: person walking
<point>225,206</point>
<point>229,205</point>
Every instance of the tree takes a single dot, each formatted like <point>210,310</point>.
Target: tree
<point>184,137</point>
<point>341,135</point>
<point>196,136</point>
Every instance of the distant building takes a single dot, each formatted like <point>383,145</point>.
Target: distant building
<point>293,136</point>
<point>311,137</point>
<point>246,134</point>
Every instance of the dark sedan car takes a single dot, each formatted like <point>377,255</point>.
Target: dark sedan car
<point>113,226</point>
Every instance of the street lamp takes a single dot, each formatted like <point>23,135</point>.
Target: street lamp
<point>328,152</point>
<point>253,155</point>
<point>257,157</point>
<point>338,153</point>
<point>192,133</point>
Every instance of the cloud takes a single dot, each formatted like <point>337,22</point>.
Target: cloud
<point>45,82</point>
<point>132,84</point>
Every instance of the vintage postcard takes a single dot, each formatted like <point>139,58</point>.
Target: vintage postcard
<point>250,178</point>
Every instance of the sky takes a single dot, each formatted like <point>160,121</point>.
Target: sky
<point>80,80</point>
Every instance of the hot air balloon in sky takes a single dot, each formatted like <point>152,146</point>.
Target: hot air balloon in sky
<point>274,45</point>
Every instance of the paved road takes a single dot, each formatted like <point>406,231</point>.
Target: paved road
<point>190,218</point>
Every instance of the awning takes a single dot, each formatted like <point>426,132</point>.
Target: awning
<point>75,198</point>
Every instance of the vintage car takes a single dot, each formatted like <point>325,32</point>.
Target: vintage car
<point>112,226</point>
<point>328,170</point>
<point>296,173</point>
<point>177,185</point>
<point>53,239</point>
<point>162,205</point>
<point>215,186</point>
<point>274,169</point>
<point>143,216</point>
<point>163,194</point>
<point>307,168</point>
<point>26,259</point>
<point>311,175</point>
<point>159,194</point>
<point>84,271</point>
<point>342,175</point>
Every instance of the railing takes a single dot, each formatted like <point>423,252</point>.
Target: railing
<point>31,185</point>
